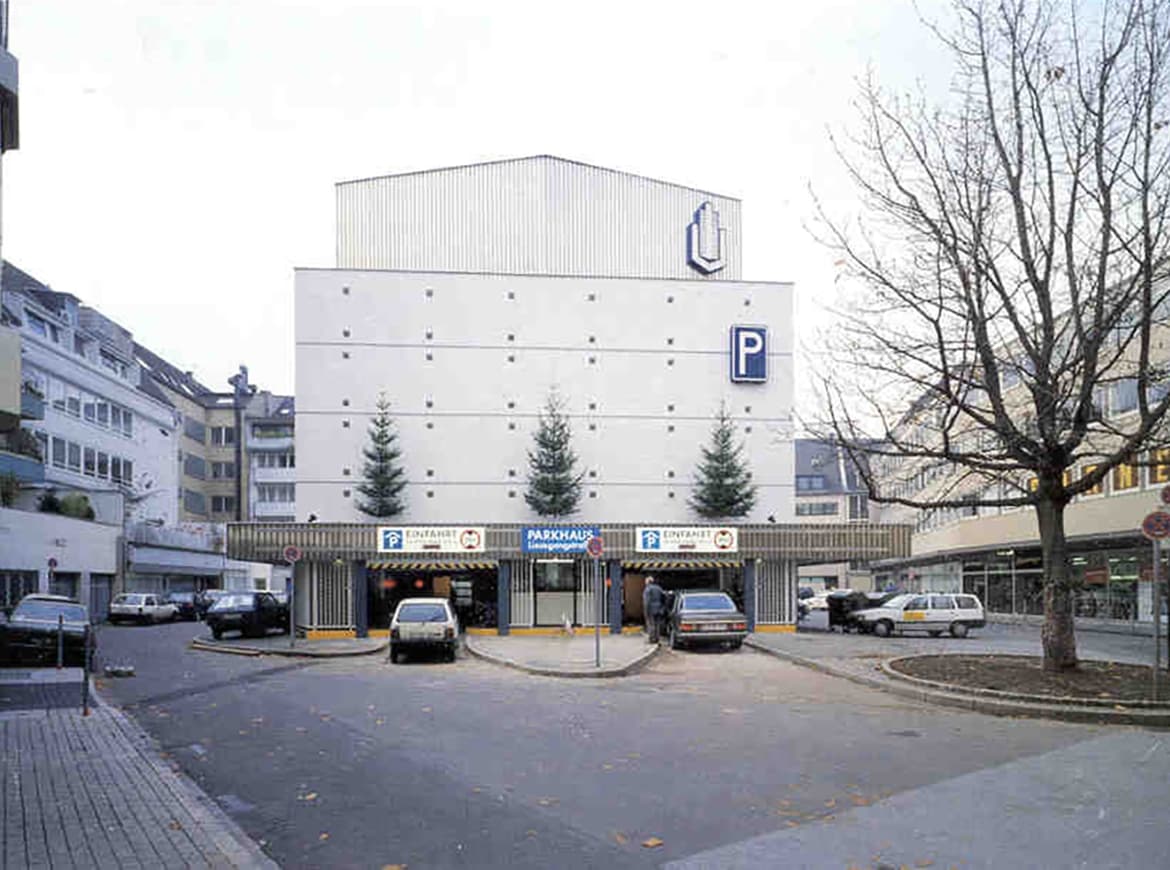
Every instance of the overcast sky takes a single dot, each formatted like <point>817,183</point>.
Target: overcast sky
<point>177,159</point>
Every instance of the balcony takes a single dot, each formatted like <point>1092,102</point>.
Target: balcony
<point>26,469</point>
<point>209,538</point>
<point>269,443</point>
<point>273,475</point>
<point>265,509</point>
<point>32,406</point>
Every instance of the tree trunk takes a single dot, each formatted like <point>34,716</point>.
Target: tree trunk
<point>1058,635</point>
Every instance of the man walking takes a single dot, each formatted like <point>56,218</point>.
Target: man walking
<point>653,602</point>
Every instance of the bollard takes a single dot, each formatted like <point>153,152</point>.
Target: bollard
<point>60,641</point>
<point>86,662</point>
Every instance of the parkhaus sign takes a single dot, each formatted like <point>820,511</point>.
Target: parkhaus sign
<point>557,539</point>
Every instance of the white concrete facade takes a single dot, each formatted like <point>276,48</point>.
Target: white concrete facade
<point>467,358</point>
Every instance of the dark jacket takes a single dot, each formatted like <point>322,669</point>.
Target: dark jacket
<point>653,600</point>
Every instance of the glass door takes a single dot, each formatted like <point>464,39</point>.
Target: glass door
<point>555,588</point>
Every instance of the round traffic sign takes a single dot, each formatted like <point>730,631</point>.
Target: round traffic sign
<point>52,562</point>
<point>292,553</point>
<point>595,547</point>
<point>1156,525</point>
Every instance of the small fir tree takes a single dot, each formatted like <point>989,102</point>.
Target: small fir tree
<point>384,477</point>
<point>553,489</point>
<point>723,484</point>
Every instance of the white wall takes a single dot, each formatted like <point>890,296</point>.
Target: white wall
<point>540,215</point>
<point>28,540</point>
<point>656,344</point>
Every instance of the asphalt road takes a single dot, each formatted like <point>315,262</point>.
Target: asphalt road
<point>729,759</point>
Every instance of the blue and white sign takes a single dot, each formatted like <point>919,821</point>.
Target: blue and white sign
<point>686,539</point>
<point>431,539</point>
<point>749,354</point>
<point>557,539</point>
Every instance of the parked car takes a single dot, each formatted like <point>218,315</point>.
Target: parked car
<point>206,598</point>
<point>699,618</point>
<point>819,601</point>
<point>252,614</point>
<point>932,612</point>
<point>423,624</point>
<point>141,607</point>
<point>30,633</point>
<point>184,605</point>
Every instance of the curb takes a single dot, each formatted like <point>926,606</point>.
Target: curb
<point>623,671</point>
<point>887,666</point>
<point>980,704</point>
<point>239,650</point>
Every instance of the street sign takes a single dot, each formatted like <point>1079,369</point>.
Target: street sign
<point>595,547</point>
<point>292,554</point>
<point>1156,525</point>
<point>52,563</point>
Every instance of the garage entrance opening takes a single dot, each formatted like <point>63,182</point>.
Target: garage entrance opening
<point>472,593</point>
<point>677,577</point>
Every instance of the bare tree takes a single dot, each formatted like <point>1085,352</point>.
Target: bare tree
<point>1012,247</point>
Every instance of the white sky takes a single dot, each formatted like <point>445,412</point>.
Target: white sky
<point>178,157</point>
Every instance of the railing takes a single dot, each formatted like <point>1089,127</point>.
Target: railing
<point>210,540</point>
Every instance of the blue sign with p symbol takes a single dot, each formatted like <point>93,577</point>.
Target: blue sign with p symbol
<point>749,354</point>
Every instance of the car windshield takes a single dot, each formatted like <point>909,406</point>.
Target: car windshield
<point>422,613</point>
<point>182,597</point>
<point>714,601</point>
<point>50,610</point>
<point>898,600</point>
<point>129,599</point>
<point>231,602</point>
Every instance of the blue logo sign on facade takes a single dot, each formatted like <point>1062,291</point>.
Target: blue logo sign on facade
<point>557,539</point>
<point>651,539</point>
<point>391,539</point>
<point>749,354</point>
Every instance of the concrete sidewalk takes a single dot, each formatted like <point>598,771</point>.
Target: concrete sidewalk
<point>565,656</point>
<point>95,791</point>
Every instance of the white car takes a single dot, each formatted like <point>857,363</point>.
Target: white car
<point>932,612</point>
<point>142,607</point>
<point>424,623</point>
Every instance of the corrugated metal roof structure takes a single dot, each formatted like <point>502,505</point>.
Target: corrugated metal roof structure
<point>538,215</point>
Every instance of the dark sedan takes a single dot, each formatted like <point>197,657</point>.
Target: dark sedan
<point>185,602</point>
<point>30,635</point>
<point>252,614</point>
<point>206,598</point>
<point>702,618</point>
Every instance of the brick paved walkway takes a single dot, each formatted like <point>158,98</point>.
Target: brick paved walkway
<point>94,792</point>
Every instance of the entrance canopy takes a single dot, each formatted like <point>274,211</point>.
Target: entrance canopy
<point>348,542</point>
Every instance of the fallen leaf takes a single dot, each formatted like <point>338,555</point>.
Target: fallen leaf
<point>620,838</point>
<point>831,802</point>
<point>548,801</point>
<point>311,796</point>
<point>607,767</point>
<point>324,836</point>
<point>244,733</point>
<point>393,867</point>
<point>258,720</point>
<point>859,801</point>
<point>792,824</point>
<point>379,721</point>
<point>175,825</point>
<point>476,789</point>
<point>302,730</point>
<point>923,862</point>
<point>530,833</point>
<point>426,709</point>
<point>371,707</point>
<point>652,843</point>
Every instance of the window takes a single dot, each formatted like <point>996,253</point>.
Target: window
<point>58,452</point>
<point>116,469</point>
<point>89,407</point>
<point>275,430</point>
<point>810,482</point>
<point>113,363</point>
<point>103,465</point>
<point>73,400</point>
<point>194,502</point>
<point>816,509</point>
<point>194,430</point>
<point>1160,467</point>
<point>941,602</point>
<point>115,418</point>
<point>223,435</point>
<point>223,504</point>
<point>127,423</point>
<point>90,461</point>
<point>37,324</point>
<point>74,457</point>
<point>275,492</point>
<point>1125,396</point>
<point>858,507</point>
<point>223,470</point>
<point>127,471</point>
<point>1125,477</point>
<point>195,466</point>
<point>103,413</point>
<point>1096,490</point>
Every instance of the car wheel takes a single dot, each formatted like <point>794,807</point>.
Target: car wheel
<point>959,629</point>
<point>217,633</point>
<point>935,633</point>
<point>884,628</point>
<point>675,643</point>
<point>451,653</point>
<point>736,644</point>
<point>394,654</point>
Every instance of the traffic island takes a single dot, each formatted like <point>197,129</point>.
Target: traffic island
<point>565,656</point>
<point>278,645</point>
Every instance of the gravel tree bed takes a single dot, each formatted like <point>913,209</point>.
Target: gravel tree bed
<point>1026,675</point>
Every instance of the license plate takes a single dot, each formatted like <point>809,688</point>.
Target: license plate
<point>715,626</point>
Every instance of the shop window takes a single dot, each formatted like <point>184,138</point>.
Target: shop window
<point>1096,490</point>
<point>1160,466</point>
<point>1125,477</point>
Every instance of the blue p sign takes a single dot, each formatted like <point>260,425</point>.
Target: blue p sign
<point>749,354</point>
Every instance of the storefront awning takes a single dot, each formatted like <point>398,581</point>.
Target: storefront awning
<point>678,564</point>
<point>431,566</point>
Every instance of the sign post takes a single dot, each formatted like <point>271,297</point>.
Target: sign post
<point>595,548</point>
<point>292,555</point>
<point>1155,527</point>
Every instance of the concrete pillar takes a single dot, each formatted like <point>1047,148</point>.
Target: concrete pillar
<point>503,597</point>
<point>614,569</point>
<point>749,593</point>
<point>361,600</point>
<point>84,589</point>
